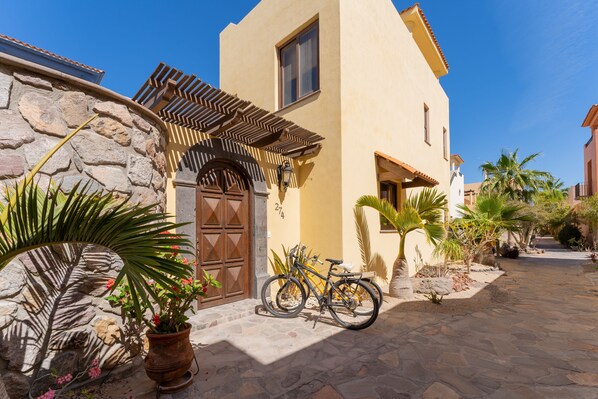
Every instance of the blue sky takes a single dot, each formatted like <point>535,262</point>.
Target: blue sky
<point>523,73</point>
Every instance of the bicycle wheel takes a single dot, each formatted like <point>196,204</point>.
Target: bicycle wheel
<point>353,304</point>
<point>376,288</point>
<point>283,296</point>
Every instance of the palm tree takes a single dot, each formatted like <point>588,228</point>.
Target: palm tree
<point>481,225</point>
<point>422,211</point>
<point>511,177</point>
<point>554,189</point>
<point>32,218</point>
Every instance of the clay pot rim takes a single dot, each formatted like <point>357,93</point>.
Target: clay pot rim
<point>187,328</point>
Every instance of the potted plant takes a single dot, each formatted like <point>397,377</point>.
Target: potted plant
<point>170,353</point>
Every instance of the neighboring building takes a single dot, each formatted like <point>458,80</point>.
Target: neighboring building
<point>472,190</point>
<point>457,194</point>
<point>371,89</point>
<point>28,52</point>
<point>590,169</point>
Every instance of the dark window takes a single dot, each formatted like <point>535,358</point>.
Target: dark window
<point>299,66</point>
<point>445,143</point>
<point>426,124</point>
<point>388,191</point>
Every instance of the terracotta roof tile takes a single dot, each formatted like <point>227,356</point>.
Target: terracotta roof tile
<point>421,13</point>
<point>49,53</point>
<point>407,167</point>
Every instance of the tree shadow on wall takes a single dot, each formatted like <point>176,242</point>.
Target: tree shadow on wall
<point>52,331</point>
<point>372,262</point>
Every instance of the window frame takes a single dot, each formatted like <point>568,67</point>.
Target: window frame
<point>295,41</point>
<point>427,124</point>
<point>445,144</point>
<point>396,203</point>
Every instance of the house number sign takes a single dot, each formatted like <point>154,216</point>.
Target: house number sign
<point>278,209</point>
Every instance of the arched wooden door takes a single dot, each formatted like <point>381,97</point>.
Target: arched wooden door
<point>222,213</point>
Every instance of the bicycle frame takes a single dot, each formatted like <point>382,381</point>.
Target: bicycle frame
<point>302,269</point>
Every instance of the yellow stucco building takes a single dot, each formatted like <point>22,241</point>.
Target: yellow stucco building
<point>347,91</point>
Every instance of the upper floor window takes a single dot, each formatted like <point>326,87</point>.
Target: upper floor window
<point>426,124</point>
<point>299,66</point>
<point>445,143</point>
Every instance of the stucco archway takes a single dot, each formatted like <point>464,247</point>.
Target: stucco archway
<point>191,165</point>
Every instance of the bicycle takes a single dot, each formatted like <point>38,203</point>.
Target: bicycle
<point>366,277</point>
<point>350,301</point>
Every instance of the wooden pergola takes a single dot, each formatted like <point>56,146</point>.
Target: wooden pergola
<point>187,101</point>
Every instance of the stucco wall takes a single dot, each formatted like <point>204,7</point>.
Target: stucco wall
<point>385,82</point>
<point>52,311</point>
<point>249,68</point>
<point>457,194</point>
<point>589,155</point>
<point>374,83</point>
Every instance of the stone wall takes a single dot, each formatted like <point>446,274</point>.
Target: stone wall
<point>52,311</point>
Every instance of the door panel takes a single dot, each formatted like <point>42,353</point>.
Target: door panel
<point>223,234</point>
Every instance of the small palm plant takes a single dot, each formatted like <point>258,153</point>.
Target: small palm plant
<point>31,218</point>
<point>421,211</point>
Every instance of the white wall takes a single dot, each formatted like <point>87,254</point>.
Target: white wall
<point>457,191</point>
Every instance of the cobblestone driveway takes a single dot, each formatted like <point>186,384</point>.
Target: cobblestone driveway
<point>531,334</point>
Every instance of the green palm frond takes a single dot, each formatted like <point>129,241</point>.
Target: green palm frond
<point>511,177</point>
<point>429,204</point>
<point>36,218</point>
<point>384,207</point>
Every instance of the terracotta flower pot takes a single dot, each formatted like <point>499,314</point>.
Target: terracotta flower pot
<point>169,356</point>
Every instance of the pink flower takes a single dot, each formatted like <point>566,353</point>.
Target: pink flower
<point>94,372</point>
<point>64,379</point>
<point>166,233</point>
<point>48,395</point>
<point>186,281</point>
<point>95,362</point>
<point>110,284</point>
<point>185,261</point>
<point>156,320</point>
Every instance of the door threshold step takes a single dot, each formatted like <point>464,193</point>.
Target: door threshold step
<point>218,315</point>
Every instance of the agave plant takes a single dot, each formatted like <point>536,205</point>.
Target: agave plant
<point>422,211</point>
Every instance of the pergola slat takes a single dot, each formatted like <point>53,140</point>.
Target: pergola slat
<point>187,101</point>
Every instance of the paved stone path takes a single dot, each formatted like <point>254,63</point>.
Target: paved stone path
<point>531,334</point>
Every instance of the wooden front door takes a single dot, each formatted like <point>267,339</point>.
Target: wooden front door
<point>223,234</point>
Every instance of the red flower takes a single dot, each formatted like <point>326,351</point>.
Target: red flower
<point>187,281</point>
<point>166,233</point>
<point>156,320</point>
<point>110,284</point>
<point>185,261</point>
<point>205,289</point>
<point>94,372</point>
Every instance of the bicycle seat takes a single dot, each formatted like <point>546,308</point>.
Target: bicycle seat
<point>334,261</point>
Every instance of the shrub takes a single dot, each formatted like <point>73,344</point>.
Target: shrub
<point>568,233</point>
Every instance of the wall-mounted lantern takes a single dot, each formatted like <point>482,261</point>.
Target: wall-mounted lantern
<point>284,172</point>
